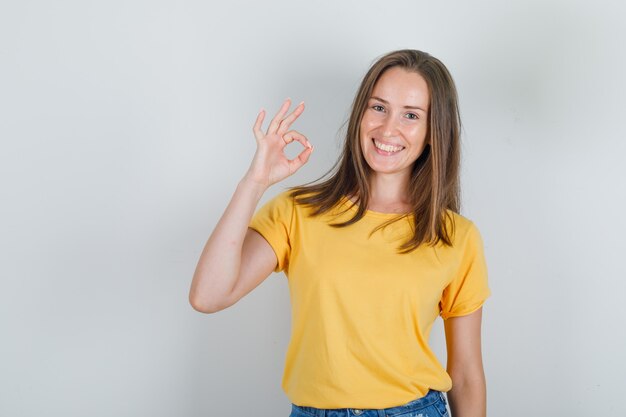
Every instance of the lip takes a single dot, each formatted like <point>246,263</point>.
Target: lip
<point>385,153</point>
<point>387,143</point>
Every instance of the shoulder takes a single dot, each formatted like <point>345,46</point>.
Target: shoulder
<point>278,207</point>
<point>281,199</point>
<point>464,229</point>
<point>284,196</point>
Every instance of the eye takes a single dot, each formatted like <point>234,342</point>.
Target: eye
<point>377,106</point>
<point>413,116</point>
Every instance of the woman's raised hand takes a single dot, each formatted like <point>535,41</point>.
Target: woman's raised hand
<point>270,165</point>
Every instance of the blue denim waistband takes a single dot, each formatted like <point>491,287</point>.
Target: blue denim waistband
<point>427,400</point>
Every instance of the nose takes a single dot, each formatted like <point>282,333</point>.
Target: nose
<point>389,126</point>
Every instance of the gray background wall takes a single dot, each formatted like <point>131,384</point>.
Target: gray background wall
<point>126,125</point>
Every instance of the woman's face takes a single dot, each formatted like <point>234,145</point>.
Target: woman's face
<point>395,119</point>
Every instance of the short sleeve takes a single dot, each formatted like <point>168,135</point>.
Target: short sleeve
<point>273,222</point>
<point>469,288</point>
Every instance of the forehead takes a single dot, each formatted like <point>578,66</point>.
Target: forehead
<point>402,87</point>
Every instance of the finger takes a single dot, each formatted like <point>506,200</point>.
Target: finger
<point>295,135</point>
<point>300,160</point>
<point>279,116</point>
<point>287,121</point>
<point>258,133</point>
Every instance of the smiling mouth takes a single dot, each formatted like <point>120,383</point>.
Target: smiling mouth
<point>386,149</point>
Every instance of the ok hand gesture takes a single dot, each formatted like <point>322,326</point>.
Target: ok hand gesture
<point>270,165</point>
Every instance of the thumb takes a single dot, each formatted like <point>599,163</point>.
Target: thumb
<point>300,160</point>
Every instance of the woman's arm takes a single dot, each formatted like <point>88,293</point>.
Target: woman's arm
<point>236,259</point>
<point>220,263</point>
<point>468,396</point>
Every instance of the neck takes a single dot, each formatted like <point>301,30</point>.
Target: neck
<point>389,189</point>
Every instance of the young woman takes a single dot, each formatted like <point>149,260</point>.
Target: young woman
<point>373,254</point>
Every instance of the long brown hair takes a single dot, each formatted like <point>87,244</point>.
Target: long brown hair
<point>434,183</point>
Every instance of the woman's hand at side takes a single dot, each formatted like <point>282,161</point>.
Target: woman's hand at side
<point>236,258</point>
<point>270,165</point>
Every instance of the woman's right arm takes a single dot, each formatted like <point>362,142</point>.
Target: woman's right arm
<point>235,258</point>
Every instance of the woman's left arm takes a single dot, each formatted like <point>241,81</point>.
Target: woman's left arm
<point>468,396</point>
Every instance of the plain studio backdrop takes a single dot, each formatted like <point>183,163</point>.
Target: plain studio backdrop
<point>126,125</point>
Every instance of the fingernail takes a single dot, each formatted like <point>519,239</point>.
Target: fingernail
<point>301,103</point>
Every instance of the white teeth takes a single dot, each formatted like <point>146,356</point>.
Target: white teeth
<point>387,148</point>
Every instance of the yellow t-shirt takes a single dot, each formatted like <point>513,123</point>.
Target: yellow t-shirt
<point>361,312</point>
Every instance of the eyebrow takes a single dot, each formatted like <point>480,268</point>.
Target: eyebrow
<point>406,107</point>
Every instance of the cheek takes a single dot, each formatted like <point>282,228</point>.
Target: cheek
<point>418,132</point>
<point>364,128</point>
<point>368,121</point>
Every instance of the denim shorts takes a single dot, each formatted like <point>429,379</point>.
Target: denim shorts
<point>432,404</point>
